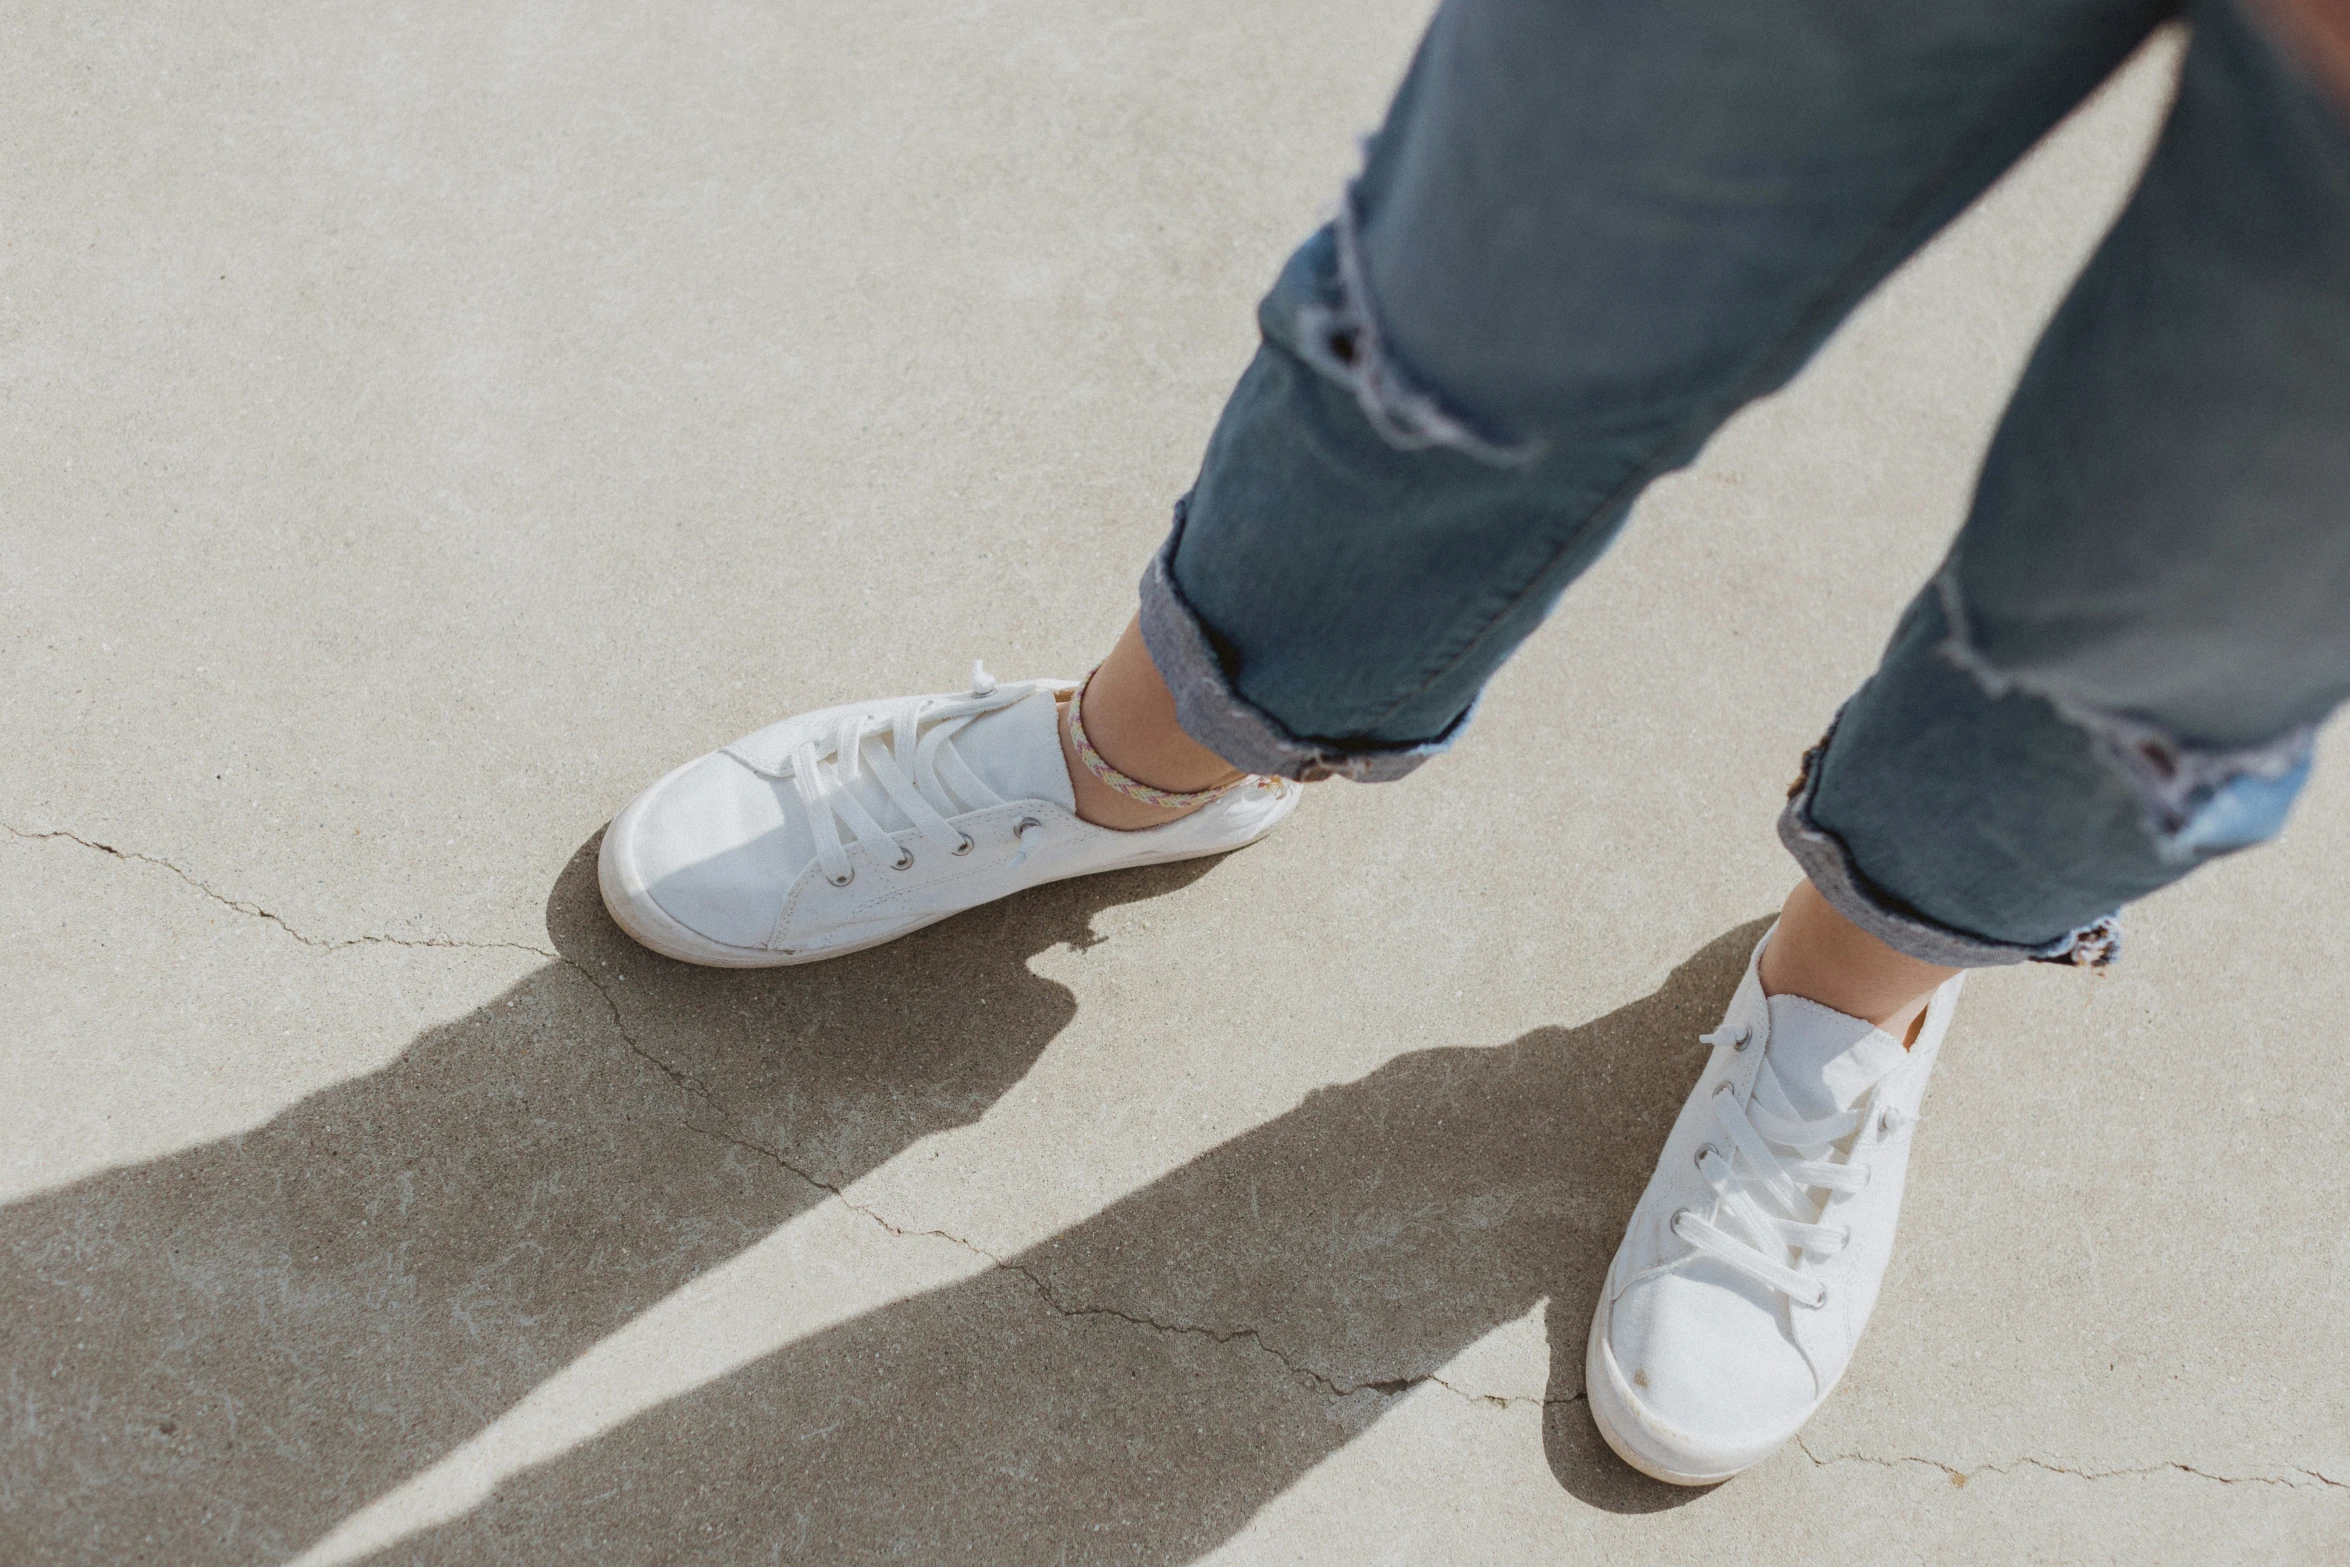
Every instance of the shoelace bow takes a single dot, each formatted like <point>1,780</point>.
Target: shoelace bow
<point>937,783</point>
<point>1766,1220</point>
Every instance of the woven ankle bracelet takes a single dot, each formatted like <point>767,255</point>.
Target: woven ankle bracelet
<point>1133,789</point>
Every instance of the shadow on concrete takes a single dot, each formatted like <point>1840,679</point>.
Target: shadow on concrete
<point>218,1355</point>
<point>1136,1388</point>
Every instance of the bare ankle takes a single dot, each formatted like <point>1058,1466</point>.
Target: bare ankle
<point>1821,956</point>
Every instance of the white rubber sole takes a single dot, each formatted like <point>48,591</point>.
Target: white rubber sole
<point>1611,1410</point>
<point>630,902</point>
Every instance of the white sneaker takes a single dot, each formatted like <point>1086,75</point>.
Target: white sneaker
<point>842,829</point>
<point>1749,1268</point>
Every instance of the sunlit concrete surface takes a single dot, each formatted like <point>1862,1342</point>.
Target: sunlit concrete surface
<point>425,425</point>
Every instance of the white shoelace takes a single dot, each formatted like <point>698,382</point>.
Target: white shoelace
<point>937,784</point>
<point>1766,1224</point>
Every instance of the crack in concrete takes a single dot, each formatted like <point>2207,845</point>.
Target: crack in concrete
<point>683,1079</point>
<point>1394,1387</point>
<point>256,911</point>
<point>337,943</point>
<point>2313,1479</point>
<point>1389,1387</point>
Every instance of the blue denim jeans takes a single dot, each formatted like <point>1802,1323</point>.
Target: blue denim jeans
<point>1588,232</point>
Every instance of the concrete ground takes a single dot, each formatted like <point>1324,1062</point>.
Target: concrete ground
<point>427,424</point>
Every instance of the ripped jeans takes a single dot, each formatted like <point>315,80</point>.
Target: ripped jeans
<point>1589,232</point>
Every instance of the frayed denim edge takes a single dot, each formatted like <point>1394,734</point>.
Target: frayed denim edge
<point>1230,725</point>
<point>1342,341</point>
<point>2173,778</point>
<point>1829,864</point>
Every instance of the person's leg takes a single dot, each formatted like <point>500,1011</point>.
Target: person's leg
<point>2119,670</point>
<point>2115,677</point>
<point>1585,236</point>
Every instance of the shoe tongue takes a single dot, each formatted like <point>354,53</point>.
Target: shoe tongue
<point>1016,751</point>
<point>1825,1060</point>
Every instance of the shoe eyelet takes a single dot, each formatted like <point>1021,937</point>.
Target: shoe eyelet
<point>1745,1038</point>
<point>1813,1304</point>
<point>963,848</point>
<point>1702,1150</point>
<point>904,860</point>
<point>1020,828</point>
<point>843,881</point>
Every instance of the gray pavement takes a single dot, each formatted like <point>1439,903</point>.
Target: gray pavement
<point>426,425</point>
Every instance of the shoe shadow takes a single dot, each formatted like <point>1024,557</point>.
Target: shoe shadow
<point>217,1355</point>
<point>1138,1387</point>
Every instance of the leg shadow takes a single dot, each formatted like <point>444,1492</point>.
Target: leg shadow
<point>215,1356</point>
<point>1136,1388</point>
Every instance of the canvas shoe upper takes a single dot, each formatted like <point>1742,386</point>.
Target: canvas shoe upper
<point>840,829</point>
<point>1753,1259</point>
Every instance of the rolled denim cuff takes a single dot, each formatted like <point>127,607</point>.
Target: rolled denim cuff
<point>1213,712</point>
<point>1850,892</point>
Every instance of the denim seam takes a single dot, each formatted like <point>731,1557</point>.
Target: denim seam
<point>1835,301</point>
<point>1834,873</point>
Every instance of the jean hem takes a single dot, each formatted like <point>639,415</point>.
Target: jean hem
<point>1838,878</point>
<point>1215,714</point>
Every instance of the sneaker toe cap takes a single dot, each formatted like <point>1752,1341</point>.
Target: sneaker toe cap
<point>1709,1376</point>
<point>711,846</point>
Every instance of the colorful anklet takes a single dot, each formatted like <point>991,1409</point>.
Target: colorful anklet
<point>1165,799</point>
